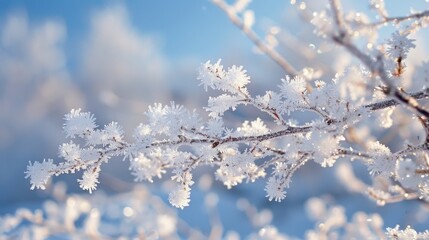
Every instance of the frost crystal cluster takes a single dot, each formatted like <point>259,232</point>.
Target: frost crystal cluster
<point>347,106</point>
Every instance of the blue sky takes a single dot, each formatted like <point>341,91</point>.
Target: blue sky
<point>189,28</point>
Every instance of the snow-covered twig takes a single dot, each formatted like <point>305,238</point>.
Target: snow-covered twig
<point>247,30</point>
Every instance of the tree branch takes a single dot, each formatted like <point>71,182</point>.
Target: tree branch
<point>272,53</point>
<point>377,69</point>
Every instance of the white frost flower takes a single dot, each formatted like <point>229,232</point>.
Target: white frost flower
<point>275,189</point>
<point>230,175</point>
<point>382,165</point>
<point>144,168</point>
<point>185,178</point>
<point>141,131</point>
<point>39,173</point>
<point>143,134</point>
<point>382,162</point>
<point>399,45</point>
<point>70,151</point>
<point>156,116</point>
<point>215,127</point>
<point>281,169</point>
<point>292,91</point>
<point>237,77</point>
<point>89,179</point>
<point>256,127</point>
<point>113,132</point>
<point>220,104</point>
<point>396,233</point>
<point>78,123</point>
<point>180,197</point>
<point>272,100</point>
<point>325,145</point>
<point>209,74</point>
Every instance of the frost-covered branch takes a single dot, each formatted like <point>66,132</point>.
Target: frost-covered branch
<point>176,140</point>
<point>301,120</point>
<point>397,20</point>
<point>392,102</point>
<point>399,47</point>
<point>245,25</point>
<point>377,69</point>
<point>173,142</point>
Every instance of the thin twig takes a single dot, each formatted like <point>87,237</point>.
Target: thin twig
<point>377,69</point>
<point>375,66</point>
<point>392,199</point>
<point>392,102</point>
<point>398,19</point>
<point>272,53</point>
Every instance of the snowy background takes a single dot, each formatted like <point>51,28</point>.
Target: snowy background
<point>115,58</point>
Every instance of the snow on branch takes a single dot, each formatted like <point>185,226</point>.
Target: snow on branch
<point>245,25</point>
<point>174,141</point>
<point>254,150</point>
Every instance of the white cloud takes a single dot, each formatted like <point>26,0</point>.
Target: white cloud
<point>118,60</point>
<point>34,80</point>
<point>35,89</point>
<point>31,50</point>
